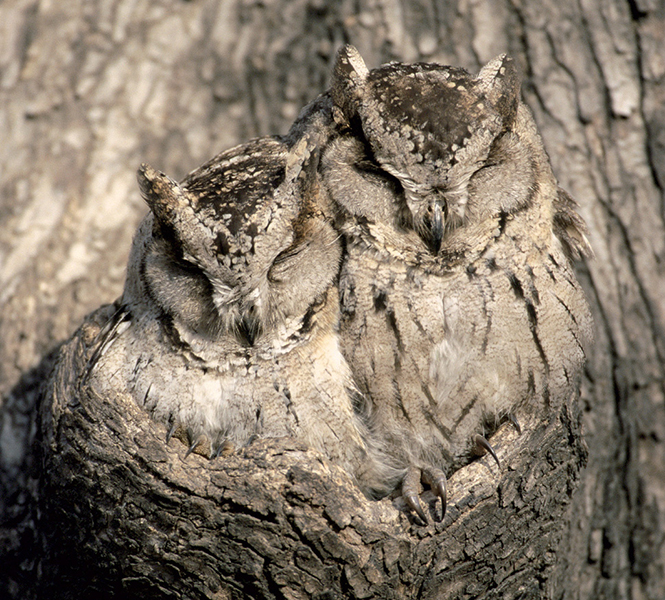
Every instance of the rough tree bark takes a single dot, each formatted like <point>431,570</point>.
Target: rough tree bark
<point>88,90</point>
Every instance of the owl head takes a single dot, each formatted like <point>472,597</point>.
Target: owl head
<point>241,244</point>
<point>431,129</point>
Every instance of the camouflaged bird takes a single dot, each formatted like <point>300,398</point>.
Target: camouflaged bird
<point>226,329</point>
<point>460,308</point>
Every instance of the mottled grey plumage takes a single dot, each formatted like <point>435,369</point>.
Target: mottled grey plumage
<point>227,324</point>
<point>460,306</point>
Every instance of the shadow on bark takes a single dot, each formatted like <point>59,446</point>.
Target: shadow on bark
<point>19,479</point>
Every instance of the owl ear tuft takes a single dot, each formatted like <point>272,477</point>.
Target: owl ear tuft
<point>500,82</point>
<point>172,206</point>
<point>163,195</point>
<point>348,79</point>
<point>296,158</point>
<point>349,63</point>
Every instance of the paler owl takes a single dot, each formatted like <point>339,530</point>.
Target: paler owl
<point>226,330</point>
<point>460,308</point>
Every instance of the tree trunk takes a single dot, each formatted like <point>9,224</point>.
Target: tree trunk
<point>91,89</point>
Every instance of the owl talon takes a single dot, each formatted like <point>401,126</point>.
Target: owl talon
<point>437,481</point>
<point>193,447</point>
<point>410,488</point>
<point>482,443</point>
<point>414,504</point>
<point>515,423</point>
<point>170,432</point>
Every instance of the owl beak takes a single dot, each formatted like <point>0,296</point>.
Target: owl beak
<point>437,226</point>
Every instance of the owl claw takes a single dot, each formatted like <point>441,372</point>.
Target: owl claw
<point>515,423</point>
<point>193,447</point>
<point>410,487</point>
<point>482,443</point>
<point>414,504</point>
<point>170,432</point>
<point>437,481</point>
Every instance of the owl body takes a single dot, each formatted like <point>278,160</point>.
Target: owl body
<point>227,327</point>
<point>446,350</point>
<point>459,304</point>
<point>294,383</point>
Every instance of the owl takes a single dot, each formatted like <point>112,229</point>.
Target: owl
<point>460,308</point>
<point>227,327</point>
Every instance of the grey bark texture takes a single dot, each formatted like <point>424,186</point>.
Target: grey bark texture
<point>98,506</point>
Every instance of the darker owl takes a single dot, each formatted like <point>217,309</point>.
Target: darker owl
<point>227,327</point>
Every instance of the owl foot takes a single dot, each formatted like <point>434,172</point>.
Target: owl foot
<point>224,449</point>
<point>435,478</point>
<point>483,445</point>
<point>200,445</point>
